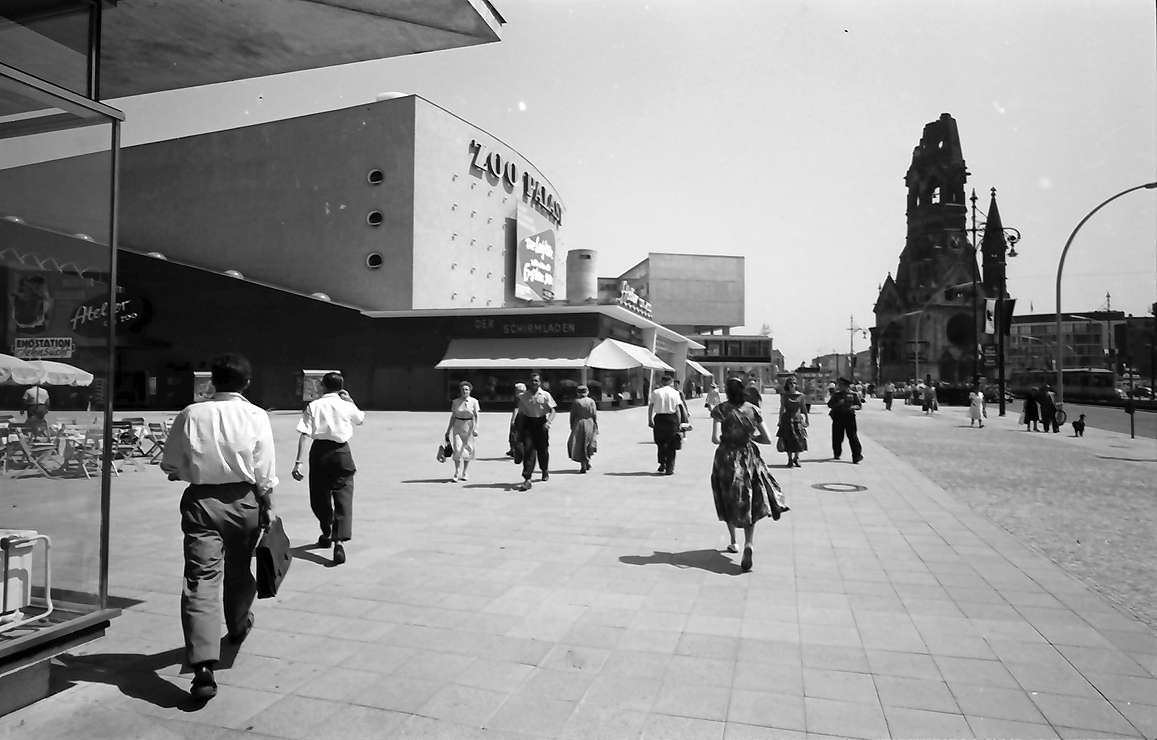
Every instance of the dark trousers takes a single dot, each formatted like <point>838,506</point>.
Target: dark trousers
<point>841,425</point>
<point>331,488</point>
<point>666,432</point>
<point>534,436</point>
<point>220,524</point>
<point>888,403</point>
<point>1049,418</point>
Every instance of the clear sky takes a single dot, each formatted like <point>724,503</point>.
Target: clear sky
<point>781,131</point>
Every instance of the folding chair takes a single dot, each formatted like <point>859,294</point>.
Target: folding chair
<point>18,446</point>
<point>157,434</point>
<point>127,442</point>
<point>87,451</point>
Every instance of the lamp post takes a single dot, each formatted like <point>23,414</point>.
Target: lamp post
<point>1060,269</point>
<point>1009,237</point>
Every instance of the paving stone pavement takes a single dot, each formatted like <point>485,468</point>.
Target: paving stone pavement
<point>603,606</point>
<point>1087,503</point>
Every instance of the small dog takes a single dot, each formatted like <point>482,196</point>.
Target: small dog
<point>1079,426</point>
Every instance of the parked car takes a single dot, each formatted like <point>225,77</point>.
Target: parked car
<point>1142,391</point>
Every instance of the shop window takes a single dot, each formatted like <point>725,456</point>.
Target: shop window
<point>55,263</point>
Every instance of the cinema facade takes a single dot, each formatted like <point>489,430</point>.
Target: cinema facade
<point>393,240</point>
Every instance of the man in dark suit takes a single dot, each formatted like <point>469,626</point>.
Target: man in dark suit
<point>844,403</point>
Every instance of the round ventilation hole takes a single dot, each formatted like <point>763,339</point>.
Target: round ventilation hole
<point>374,260</point>
<point>375,177</point>
<point>375,218</point>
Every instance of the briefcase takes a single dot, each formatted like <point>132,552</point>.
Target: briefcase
<point>273,559</point>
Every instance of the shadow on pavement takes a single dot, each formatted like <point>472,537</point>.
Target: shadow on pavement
<point>305,552</point>
<point>503,486</point>
<point>635,474</point>
<point>446,479</point>
<point>709,560</point>
<point>134,674</point>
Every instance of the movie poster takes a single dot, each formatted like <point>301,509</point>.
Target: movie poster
<point>535,258</point>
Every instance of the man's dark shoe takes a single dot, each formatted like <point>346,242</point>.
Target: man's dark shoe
<point>324,541</point>
<point>338,553</point>
<point>525,485</point>
<point>204,687</point>
<point>835,457</point>
<point>662,469</point>
<point>857,459</point>
<point>545,476</point>
<point>236,638</point>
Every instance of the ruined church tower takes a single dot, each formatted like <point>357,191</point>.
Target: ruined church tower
<point>924,318</point>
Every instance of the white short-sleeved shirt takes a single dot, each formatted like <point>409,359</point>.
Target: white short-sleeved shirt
<point>331,418</point>
<point>223,440</point>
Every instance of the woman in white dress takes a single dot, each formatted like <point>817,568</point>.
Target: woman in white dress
<point>462,429</point>
<point>976,407</point>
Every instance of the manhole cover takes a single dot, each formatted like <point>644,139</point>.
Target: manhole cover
<point>839,487</point>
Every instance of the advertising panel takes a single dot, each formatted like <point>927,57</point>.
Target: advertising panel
<point>535,257</point>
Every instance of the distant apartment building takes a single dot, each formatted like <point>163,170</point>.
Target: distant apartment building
<point>1089,339</point>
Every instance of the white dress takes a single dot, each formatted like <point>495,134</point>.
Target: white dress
<point>975,405</point>
<point>462,430</point>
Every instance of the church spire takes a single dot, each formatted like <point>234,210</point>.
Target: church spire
<point>992,247</point>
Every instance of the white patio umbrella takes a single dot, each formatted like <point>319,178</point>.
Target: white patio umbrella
<point>14,371</point>
<point>60,373</point>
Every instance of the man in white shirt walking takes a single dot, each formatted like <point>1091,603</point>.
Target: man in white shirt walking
<point>329,421</point>
<point>663,418</point>
<point>223,448</point>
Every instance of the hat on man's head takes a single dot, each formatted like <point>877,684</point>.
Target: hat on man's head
<point>582,389</point>
<point>843,381</point>
<point>831,386</point>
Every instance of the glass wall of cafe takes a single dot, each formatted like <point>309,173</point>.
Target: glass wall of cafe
<point>56,271</point>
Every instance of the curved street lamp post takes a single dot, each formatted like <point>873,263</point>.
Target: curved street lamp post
<point>1060,270</point>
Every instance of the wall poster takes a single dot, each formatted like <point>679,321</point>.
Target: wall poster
<point>535,257</point>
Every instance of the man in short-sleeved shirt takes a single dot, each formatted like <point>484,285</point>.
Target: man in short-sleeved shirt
<point>223,448</point>
<point>329,421</point>
<point>663,415</point>
<point>536,409</point>
<point>35,401</point>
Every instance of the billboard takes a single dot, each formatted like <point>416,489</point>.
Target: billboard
<point>535,257</point>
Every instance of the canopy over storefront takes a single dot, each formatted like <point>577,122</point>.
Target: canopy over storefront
<point>696,367</point>
<point>516,354</point>
<point>547,353</point>
<point>612,354</point>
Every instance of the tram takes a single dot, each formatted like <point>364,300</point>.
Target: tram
<point>1080,383</point>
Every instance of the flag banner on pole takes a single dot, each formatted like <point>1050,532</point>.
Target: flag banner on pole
<point>990,316</point>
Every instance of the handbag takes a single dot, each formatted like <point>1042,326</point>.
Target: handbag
<point>273,559</point>
<point>779,445</point>
<point>445,450</point>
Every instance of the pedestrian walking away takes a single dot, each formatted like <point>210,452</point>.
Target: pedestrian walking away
<point>514,432</point>
<point>223,448</point>
<point>1048,410</point>
<point>536,409</point>
<point>584,429</point>
<point>844,404</point>
<point>791,432</point>
<point>663,416</point>
<point>712,399</point>
<point>743,488</point>
<point>1030,412</point>
<point>977,408</point>
<point>329,421</point>
<point>889,395</point>
<point>931,403</point>
<point>462,430</point>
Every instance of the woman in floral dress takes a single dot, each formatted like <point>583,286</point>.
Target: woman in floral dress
<point>744,489</point>
<point>793,423</point>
